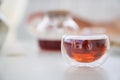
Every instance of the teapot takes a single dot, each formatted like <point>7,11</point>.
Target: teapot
<point>50,28</point>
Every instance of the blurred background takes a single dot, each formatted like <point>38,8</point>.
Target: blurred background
<point>29,26</point>
<point>90,16</point>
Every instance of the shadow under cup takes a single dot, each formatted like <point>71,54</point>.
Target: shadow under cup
<point>85,50</point>
<point>86,73</point>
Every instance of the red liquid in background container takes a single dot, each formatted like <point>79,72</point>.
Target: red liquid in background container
<point>85,50</point>
<point>53,45</point>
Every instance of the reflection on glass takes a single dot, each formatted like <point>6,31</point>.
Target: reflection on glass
<point>85,50</point>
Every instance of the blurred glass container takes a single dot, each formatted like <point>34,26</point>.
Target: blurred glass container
<point>91,16</point>
<point>50,28</point>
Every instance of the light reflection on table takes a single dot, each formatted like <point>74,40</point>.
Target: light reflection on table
<point>40,65</point>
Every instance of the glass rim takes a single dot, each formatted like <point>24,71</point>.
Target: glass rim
<point>86,36</point>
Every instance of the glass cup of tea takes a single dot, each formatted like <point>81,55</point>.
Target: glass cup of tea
<point>85,50</point>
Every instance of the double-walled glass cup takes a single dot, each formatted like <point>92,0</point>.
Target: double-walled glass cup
<point>85,50</point>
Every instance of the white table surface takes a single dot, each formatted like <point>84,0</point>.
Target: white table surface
<point>31,64</point>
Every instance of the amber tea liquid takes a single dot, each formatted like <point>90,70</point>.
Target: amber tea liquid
<point>85,50</point>
<point>51,45</point>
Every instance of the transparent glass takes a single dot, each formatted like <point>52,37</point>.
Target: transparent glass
<point>85,50</point>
